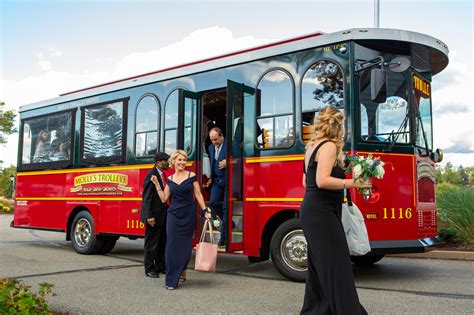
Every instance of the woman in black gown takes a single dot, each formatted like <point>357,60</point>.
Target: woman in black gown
<point>182,186</point>
<point>330,287</point>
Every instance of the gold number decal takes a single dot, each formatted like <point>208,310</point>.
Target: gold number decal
<point>135,224</point>
<point>401,214</point>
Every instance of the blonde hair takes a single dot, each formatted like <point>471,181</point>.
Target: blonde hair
<point>329,124</point>
<point>175,154</point>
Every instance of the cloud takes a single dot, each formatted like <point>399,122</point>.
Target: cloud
<point>200,44</point>
<point>462,143</point>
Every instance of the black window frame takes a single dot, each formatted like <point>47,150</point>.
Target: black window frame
<point>52,164</point>
<point>158,126</point>
<point>105,160</point>
<point>292,113</point>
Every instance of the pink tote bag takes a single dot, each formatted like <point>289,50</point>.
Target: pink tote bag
<point>206,253</point>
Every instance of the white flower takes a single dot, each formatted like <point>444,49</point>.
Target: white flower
<point>380,171</point>
<point>216,223</point>
<point>357,171</point>
<point>361,158</point>
<point>370,161</point>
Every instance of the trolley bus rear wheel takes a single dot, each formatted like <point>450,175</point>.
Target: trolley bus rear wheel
<point>366,259</point>
<point>108,244</point>
<point>83,239</point>
<point>288,250</point>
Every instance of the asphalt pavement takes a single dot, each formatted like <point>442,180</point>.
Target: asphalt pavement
<point>115,283</point>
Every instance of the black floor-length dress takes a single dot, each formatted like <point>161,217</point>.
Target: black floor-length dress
<point>180,224</point>
<point>330,285</point>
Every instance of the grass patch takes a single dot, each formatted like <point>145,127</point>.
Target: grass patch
<point>455,214</point>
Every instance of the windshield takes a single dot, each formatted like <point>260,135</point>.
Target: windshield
<point>423,116</point>
<point>388,121</point>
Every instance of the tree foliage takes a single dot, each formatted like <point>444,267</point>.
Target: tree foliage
<point>7,123</point>
<point>5,183</point>
<point>461,176</point>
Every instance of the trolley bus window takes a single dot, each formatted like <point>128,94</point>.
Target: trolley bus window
<point>47,139</point>
<point>388,121</point>
<point>323,85</point>
<point>423,121</point>
<point>103,131</point>
<point>171,122</point>
<point>275,110</point>
<point>146,128</point>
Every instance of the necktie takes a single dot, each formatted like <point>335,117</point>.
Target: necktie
<point>163,179</point>
<point>216,156</point>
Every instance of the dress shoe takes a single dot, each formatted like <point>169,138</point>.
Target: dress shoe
<point>152,274</point>
<point>221,242</point>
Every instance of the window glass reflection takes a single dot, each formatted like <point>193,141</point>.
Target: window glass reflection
<point>276,94</point>
<point>47,139</point>
<point>170,140</point>
<point>103,131</point>
<point>147,127</point>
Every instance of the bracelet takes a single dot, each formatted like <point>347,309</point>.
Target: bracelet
<point>344,183</point>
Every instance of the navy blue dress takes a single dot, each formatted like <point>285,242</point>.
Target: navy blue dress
<point>180,224</point>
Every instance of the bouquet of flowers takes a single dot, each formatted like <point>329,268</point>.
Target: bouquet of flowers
<point>363,168</point>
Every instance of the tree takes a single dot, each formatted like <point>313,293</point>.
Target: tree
<point>5,183</point>
<point>7,123</point>
<point>464,176</point>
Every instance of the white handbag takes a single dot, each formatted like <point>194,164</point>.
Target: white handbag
<point>355,229</point>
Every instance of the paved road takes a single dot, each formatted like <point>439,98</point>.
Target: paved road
<point>115,283</point>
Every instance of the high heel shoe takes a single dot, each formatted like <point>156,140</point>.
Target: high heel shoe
<point>182,277</point>
<point>170,288</point>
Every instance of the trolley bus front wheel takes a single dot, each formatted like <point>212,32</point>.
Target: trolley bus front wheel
<point>83,239</point>
<point>288,250</point>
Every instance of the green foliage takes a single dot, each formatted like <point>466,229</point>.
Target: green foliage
<point>462,176</point>
<point>5,183</point>
<point>6,205</point>
<point>7,123</point>
<point>17,298</point>
<point>455,213</point>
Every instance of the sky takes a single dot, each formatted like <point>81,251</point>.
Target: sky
<point>53,47</point>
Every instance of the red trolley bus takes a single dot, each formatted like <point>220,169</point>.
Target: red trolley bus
<point>83,156</point>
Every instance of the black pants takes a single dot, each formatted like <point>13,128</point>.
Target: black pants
<point>155,243</point>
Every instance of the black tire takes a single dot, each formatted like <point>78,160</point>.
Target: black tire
<point>366,260</point>
<point>254,260</point>
<point>288,249</point>
<point>83,239</point>
<point>108,244</point>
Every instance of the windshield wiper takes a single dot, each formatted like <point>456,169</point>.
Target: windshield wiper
<point>395,136</point>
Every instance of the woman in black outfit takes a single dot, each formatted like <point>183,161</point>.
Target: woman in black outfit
<point>330,287</point>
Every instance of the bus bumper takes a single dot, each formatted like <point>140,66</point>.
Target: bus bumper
<point>404,246</point>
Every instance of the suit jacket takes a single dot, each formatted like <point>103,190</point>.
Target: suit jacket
<point>217,174</point>
<point>152,207</point>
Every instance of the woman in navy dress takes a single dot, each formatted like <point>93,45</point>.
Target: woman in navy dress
<point>182,187</point>
<point>330,285</point>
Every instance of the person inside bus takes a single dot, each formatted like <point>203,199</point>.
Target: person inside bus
<point>42,149</point>
<point>62,153</point>
<point>182,187</point>
<point>330,287</point>
<point>217,182</point>
<point>153,215</point>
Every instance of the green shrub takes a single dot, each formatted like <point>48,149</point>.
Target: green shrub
<point>6,205</point>
<point>455,214</point>
<point>17,298</point>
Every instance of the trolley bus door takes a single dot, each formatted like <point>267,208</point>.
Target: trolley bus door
<point>187,126</point>
<point>239,100</point>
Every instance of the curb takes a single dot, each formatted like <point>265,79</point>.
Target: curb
<point>439,254</point>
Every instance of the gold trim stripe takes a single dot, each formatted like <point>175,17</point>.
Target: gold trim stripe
<point>299,157</point>
<point>79,198</point>
<point>275,199</point>
<point>89,170</point>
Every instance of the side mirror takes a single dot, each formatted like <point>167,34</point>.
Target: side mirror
<point>378,85</point>
<point>437,156</point>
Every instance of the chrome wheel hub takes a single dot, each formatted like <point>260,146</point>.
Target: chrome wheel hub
<point>294,250</point>
<point>82,232</point>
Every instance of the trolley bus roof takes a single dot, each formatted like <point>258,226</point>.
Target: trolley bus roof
<point>438,59</point>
